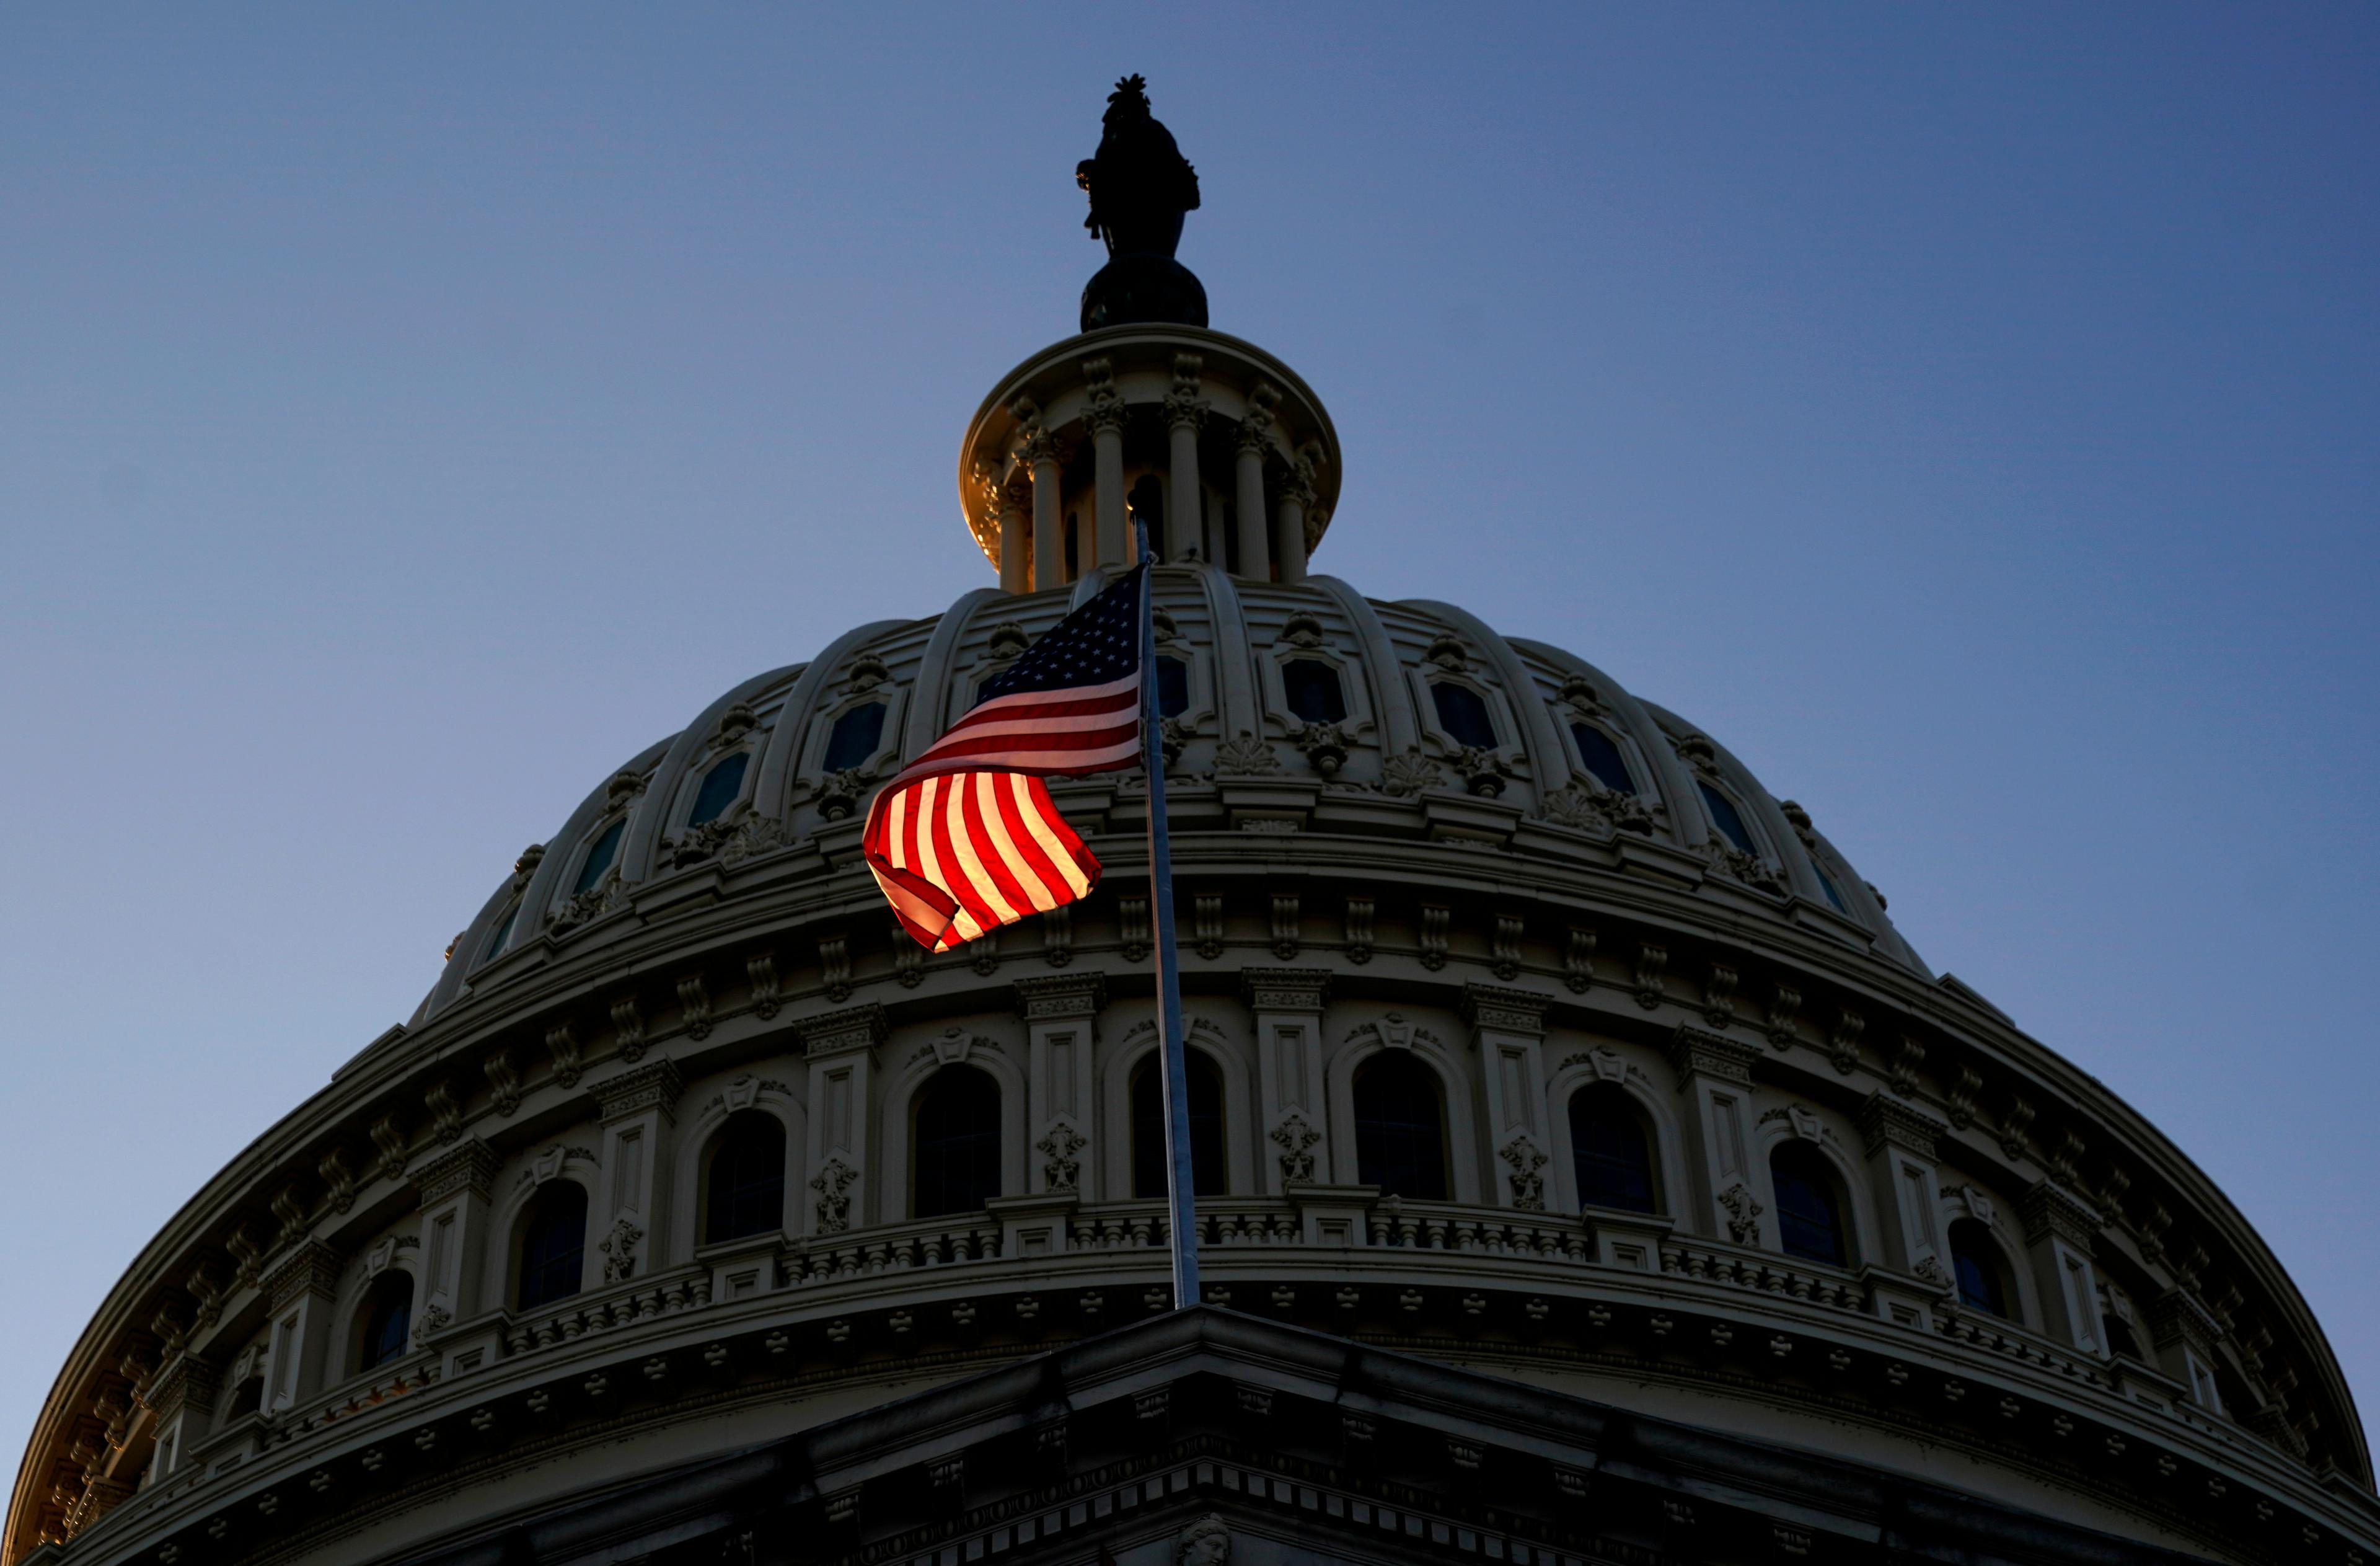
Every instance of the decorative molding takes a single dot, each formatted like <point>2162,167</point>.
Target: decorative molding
<point>1061,1169</point>
<point>1651,960</point>
<point>1058,935</point>
<point>388,1139</point>
<point>833,1183</point>
<point>504,1080</point>
<point>1505,1009</point>
<point>1435,920</point>
<point>840,1033</point>
<point>1719,993</point>
<point>1743,1214</point>
<point>1287,928</point>
<point>311,1268</point>
<point>628,1028</point>
<point>653,1087</point>
<point>1842,1039</point>
<point>1054,997</point>
<point>470,1167</point>
<point>1360,911</point>
<point>2049,1209</point>
<point>694,1005</point>
<point>1296,1138</point>
<point>562,1045</point>
<point>619,1248</point>
<point>1885,1123</point>
<point>1284,989</point>
<point>1528,1162</point>
<point>1207,923</point>
<point>1694,1052</point>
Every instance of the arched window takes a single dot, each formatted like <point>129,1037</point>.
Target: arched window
<point>956,1162</point>
<point>745,1193</point>
<point>720,787</point>
<point>1727,818</point>
<point>856,735</point>
<point>1399,1127</point>
<point>2120,1336</point>
<point>553,1244</point>
<point>1826,885</point>
<point>246,1398</point>
<point>384,1320</point>
<point>600,855</point>
<point>1601,756</point>
<point>1976,1259</point>
<point>504,933</point>
<point>1172,687</point>
<point>1206,1126</point>
<point>1314,692</point>
<point>1462,713</point>
<point>1809,1212</point>
<point>1609,1150</point>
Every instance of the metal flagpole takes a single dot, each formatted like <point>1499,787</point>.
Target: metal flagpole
<point>1180,1188</point>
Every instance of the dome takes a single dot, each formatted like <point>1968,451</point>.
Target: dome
<point>1557,1091</point>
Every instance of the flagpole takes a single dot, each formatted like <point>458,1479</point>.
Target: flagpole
<point>1181,1188</point>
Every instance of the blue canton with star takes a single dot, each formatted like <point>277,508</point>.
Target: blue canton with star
<point>1096,645</point>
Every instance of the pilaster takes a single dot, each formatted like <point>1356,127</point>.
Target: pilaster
<point>1904,1177</point>
<point>840,1047</point>
<point>454,1187</point>
<point>1287,1006</point>
<point>639,1116</point>
<point>2061,1231</point>
<point>298,1290</point>
<point>182,1398</point>
<point>1061,1012</point>
<point>2186,1335</point>
<point>1508,1031</point>
<point>1716,1074</point>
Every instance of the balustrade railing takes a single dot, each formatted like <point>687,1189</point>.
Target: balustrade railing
<point>940,1242</point>
<point>1493,1231</point>
<point>1761,1271</point>
<point>605,1310</point>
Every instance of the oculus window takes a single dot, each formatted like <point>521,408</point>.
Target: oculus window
<point>1314,692</point>
<point>720,787</point>
<point>1601,756</point>
<point>1462,713</point>
<point>856,735</point>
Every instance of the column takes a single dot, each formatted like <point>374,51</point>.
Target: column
<point>1255,558</point>
<point>1295,496</point>
<point>1186,413</point>
<point>1904,1179</point>
<point>1716,1074</point>
<point>1508,1027</point>
<point>1015,514</point>
<point>299,1291</point>
<point>842,1050</point>
<point>2059,1232</point>
<point>1062,1153</point>
<point>1048,542</point>
<point>638,1116</point>
<point>1295,1147</point>
<point>455,1189</point>
<point>1105,419</point>
<point>182,1398</point>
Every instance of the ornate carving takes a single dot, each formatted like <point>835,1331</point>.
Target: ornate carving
<point>1528,1162</point>
<point>760,972</point>
<point>338,1183</point>
<point>699,841</point>
<point>1750,868</point>
<point>2013,1140</point>
<point>1287,931</point>
<point>1509,1010</point>
<point>833,1183</point>
<point>755,835</point>
<point>628,1028</point>
<point>1885,1123</point>
<point>840,1033</point>
<point>1061,1169</point>
<point>1403,777</point>
<point>1056,997</point>
<point>525,865</point>
<point>1719,994</point>
<point>1284,989</point>
<point>1132,927</point>
<point>309,1268</point>
<point>504,1080</point>
<point>1246,756</point>
<point>1435,920</point>
<point>1743,1214</point>
<point>1784,1012</point>
<point>1590,808</point>
<point>653,1087</point>
<point>1651,962</point>
<point>838,792</point>
<point>1324,746</point>
<point>834,966</point>
<point>562,1045</point>
<point>1505,946</point>
<point>1482,771</point>
<point>1058,936</point>
<point>1961,1099</point>
<point>445,1115</point>
<point>390,1142</point>
<point>1578,960</point>
<point>1694,1052</point>
<point>619,1248</point>
<point>246,1256</point>
<point>603,897</point>
<point>1359,930</point>
<point>2065,1163</point>
<point>1207,1542</point>
<point>1908,1054</point>
<point>1296,1138</point>
<point>1207,924</point>
<point>908,957</point>
<point>2050,1209</point>
<point>1842,1040</point>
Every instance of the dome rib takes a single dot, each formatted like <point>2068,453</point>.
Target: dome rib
<point>775,786</point>
<point>1238,710</point>
<point>929,698</point>
<point>640,845</point>
<point>1400,728</point>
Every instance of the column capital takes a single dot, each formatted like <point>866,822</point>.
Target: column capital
<point>1694,1051</point>
<point>1040,446</point>
<point>1505,1008</point>
<point>468,1166</point>
<point>185,1381</point>
<point>1106,414</point>
<point>1888,1123</point>
<point>654,1086</point>
<point>1284,989</point>
<point>311,1268</point>
<point>843,1032</point>
<point>2050,1209</point>
<point>1052,997</point>
<point>2178,1315</point>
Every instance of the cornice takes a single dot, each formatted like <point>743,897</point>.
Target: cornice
<point>1696,1051</point>
<point>1050,997</point>
<point>1503,1007</point>
<point>843,1032</point>
<point>1284,989</point>
<point>2050,1209</point>
<point>470,1165</point>
<point>652,1086</point>
<point>311,1268</point>
<point>1885,1122</point>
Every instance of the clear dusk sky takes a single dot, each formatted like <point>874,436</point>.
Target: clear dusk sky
<point>407,413</point>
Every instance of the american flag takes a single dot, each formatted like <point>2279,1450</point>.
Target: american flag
<point>965,839</point>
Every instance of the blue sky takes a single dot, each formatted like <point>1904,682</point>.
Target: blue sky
<point>407,414</point>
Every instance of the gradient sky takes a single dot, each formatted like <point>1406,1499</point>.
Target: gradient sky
<point>408,413</point>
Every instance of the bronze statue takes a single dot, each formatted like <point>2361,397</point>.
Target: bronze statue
<point>1140,186</point>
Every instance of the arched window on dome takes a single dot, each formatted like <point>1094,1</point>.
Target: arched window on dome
<point>1727,819</point>
<point>552,1245</point>
<point>1599,754</point>
<point>1462,713</point>
<point>721,785</point>
<point>1826,885</point>
<point>1809,1204</point>
<point>1206,1166</point>
<point>1172,687</point>
<point>1611,1152</point>
<point>744,1184</point>
<point>1313,691</point>
<point>1401,1127</point>
<point>600,855</point>
<point>494,944</point>
<point>954,1161</point>
<point>1983,1279</point>
<point>856,735</point>
<point>384,1321</point>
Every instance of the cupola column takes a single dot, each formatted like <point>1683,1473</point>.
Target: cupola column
<point>1255,562</point>
<point>1049,543</point>
<point>1295,496</point>
<point>1186,413</point>
<point>1106,421</point>
<point>1016,507</point>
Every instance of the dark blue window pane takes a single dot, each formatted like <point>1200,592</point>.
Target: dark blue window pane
<point>747,1179</point>
<point>1727,818</point>
<point>1826,885</point>
<point>1400,1128</point>
<point>1314,691</point>
<point>1206,1127</point>
<point>958,1141</point>
<point>1979,1280</point>
<point>1809,1219</point>
<point>598,857</point>
<point>1609,1151</point>
<point>504,933</point>
<point>1172,687</point>
<point>856,736</point>
<point>1464,715</point>
<point>553,1244</point>
<point>1603,758</point>
<point>387,1319</point>
<point>719,788</point>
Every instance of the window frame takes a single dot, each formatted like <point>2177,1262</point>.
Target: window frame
<point>524,1221</point>
<point>714,1147</point>
<point>1632,756</point>
<point>1439,1091</point>
<point>998,1120</point>
<point>1608,1091</point>
<point>1832,1185</point>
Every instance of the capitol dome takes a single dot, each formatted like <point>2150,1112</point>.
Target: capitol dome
<point>1589,1169</point>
